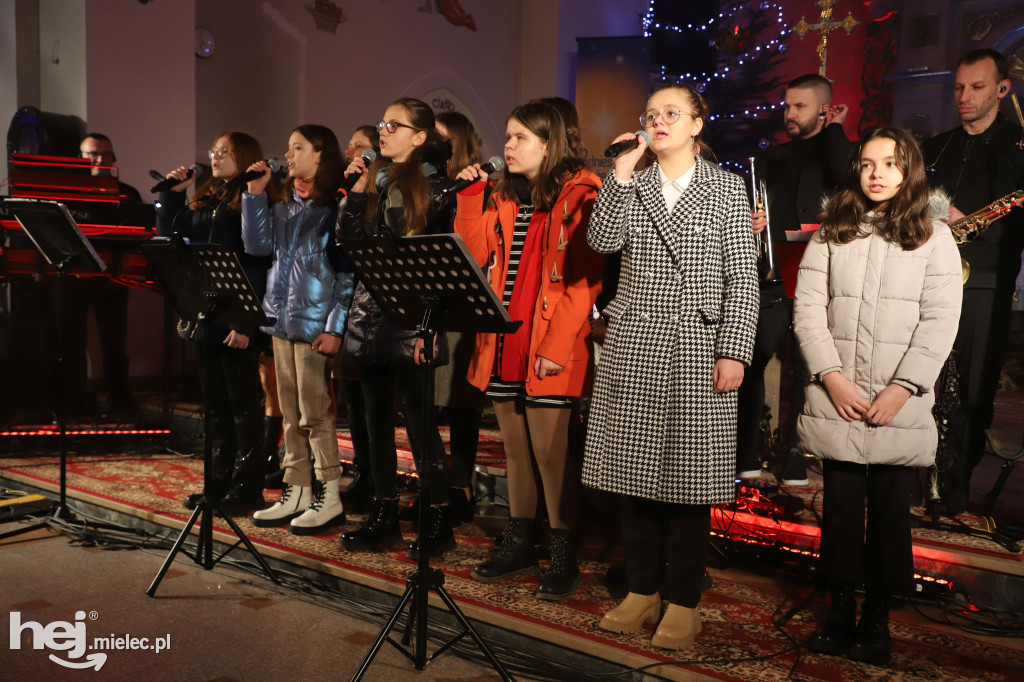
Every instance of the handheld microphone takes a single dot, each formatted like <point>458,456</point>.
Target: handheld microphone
<point>275,168</point>
<point>157,175</point>
<point>493,165</point>
<point>368,156</point>
<point>168,183</point>
<point>626,145</point>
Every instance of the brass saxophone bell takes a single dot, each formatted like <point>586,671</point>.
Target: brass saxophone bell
<point>965,270</point>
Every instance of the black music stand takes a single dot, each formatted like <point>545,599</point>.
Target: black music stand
<point>206,284</point>
<point>433,284</point>
<point>55,233</point>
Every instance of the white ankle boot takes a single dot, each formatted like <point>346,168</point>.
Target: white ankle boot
<point>294,499</point>
<point>324,510</point>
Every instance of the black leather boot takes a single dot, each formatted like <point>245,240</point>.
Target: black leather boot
<point>437,536</point>
<point>836,634</point>
<point>563,575</point>
<point>223,461</point>
<point>517,554</point>
<point>380,529</point>
<point>246,493</point>
<point>463,508</point>
<point>273,429</point>
<point>873,643</point>
<point>358,495</point>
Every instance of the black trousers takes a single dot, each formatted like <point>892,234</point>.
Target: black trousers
<point>980,345</point>
<point>355,406</point>
<point>666,545</point>
<point>464,423</point>
<point>882,557</point>
<point>380,385</point>
<point>231,379</point>
<point>773,321</point>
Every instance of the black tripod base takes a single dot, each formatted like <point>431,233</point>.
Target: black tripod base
<point>204,544</point>
<point>417,590</point>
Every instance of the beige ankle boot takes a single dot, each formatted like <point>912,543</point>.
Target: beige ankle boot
<point>632,613</point>
<point>678,628</point>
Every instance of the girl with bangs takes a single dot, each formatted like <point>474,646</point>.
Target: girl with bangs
<point>309,290</point>
<point>240,455</point>
<point>877,307</point>
<point>530,235</point>
<point>399,195</point>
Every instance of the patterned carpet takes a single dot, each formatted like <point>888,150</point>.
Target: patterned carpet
<point>738,639</point>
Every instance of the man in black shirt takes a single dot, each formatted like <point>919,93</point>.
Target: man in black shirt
<point>977,163</point>
<point>798,175</point>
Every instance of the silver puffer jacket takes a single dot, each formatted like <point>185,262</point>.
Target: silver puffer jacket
<point>310,284</point>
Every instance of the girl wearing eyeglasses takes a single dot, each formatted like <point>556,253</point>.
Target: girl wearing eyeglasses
<point>240,454</point>
<point>662,428</point>
<point>309,290</point>
<point>398,195</point>
<point>530,236</point>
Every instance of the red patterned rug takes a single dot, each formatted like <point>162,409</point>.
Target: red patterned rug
<point>738,641</point>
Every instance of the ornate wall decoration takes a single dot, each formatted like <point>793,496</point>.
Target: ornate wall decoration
<point>451,10</point>
<point>881,49</point>
<point>327,16</point>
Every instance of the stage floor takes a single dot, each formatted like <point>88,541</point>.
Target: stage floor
<point>739,641</point>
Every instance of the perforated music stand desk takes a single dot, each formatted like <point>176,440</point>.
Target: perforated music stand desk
<point>206,285</point>
<point>55,233</point>
<point>429,283</point>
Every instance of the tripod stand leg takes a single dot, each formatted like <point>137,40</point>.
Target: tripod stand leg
<point>174,550</point>
<point>392,621</point>
<point>461,617</point>
<point>248,545</point>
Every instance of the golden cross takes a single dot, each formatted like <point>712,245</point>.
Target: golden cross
<point>825,26</point>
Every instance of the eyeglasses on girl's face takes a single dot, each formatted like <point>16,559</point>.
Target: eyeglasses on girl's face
<point>393,126</point>
<point>669,116</point>
<point>218,153</point>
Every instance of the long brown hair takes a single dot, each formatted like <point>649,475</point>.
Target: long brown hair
<point>544,121</point>
<point>329,172</point>
<point>465,142</point>
<point>903,219</point>
<point>571,121</point>
<point>246,150</point>
<point>408,176</point>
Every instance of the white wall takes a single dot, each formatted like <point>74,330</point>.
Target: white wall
<point>8,66</point>
<point>62,78</point>
<point>140,79</point>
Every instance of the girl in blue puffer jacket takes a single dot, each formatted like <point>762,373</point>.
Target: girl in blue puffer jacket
<point>309,290</point>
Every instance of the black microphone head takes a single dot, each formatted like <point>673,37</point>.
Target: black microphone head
<point>157,175</point>
<point>368,156</point>
<point>494,164</point>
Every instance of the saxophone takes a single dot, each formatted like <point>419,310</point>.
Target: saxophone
<point>969,227</point>
<point>767,270</point>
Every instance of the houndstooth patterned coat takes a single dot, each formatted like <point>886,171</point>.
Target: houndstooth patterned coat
<point>688,295</point>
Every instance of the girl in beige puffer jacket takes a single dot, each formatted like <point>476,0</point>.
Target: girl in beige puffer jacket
<point>877,307</point>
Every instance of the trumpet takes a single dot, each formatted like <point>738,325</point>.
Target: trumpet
<point>767,270</point>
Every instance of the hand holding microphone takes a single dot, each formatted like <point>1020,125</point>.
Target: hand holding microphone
<point>177,180</point>
<point>627,150</point>
<point>473,174</point>
<point>257,176</point>
<point>356,177</point>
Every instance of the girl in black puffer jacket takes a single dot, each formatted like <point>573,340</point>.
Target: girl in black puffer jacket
<point>399,195</point>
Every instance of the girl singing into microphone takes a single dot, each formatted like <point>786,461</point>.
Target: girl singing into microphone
<point>309,290</point>
<point>530,235</point>
<point>399,195</point>
<point>662,429</point>
<point>233,389</point>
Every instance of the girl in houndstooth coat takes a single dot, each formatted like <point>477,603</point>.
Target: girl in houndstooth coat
<point>662,427</point>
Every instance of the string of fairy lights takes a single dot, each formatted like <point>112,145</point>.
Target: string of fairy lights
<point>701,80</point>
